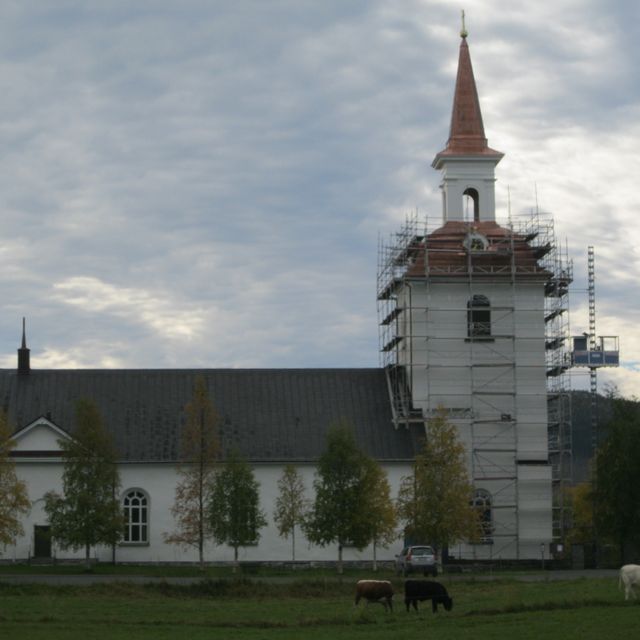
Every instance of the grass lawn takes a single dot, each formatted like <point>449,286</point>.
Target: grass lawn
<point>583,610</point>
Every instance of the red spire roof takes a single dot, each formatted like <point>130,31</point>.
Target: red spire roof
<point>466,136</point>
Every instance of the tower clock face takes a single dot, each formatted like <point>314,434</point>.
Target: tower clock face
<point>476,242</point>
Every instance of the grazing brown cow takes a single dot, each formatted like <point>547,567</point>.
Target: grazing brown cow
<point>375,591</point>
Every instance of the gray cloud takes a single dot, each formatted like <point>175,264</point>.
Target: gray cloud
<point>203,184</point>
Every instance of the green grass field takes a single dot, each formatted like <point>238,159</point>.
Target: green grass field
<point>311,608</point>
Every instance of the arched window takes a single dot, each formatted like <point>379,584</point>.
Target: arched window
<point>472,196</point>
<point>483,503</point>
<point>136,516</point>
<point>479,317</point>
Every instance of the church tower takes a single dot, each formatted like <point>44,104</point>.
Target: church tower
<point>467,163</point>
<point>464,304</point>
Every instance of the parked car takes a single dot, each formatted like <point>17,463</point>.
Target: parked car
<point>418,558</point>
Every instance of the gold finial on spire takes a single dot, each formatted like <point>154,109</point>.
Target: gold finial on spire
<point>463,32</point>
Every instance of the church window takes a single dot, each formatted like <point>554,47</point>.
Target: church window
<point>483,503</point>
<point>136,517</point>
<point>479,317</point>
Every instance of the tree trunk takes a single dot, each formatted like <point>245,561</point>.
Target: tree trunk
<point>375,559</point>
<point>87,557</point>
<point>201,514</point>
<point>339,558</point>
<point>293,543</point>
<point>201,526</point>
<point>235,560</point>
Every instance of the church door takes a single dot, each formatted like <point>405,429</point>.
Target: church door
<point>41,541</point>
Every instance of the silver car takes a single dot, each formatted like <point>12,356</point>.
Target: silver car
<point>418,558</point>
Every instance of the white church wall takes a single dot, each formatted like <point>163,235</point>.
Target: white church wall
<point>40,477</point>
<point>158,482</point>
<point>532,442</point>
<point>501,383</point>
<point>535,522</point>
<point>460,175</point>
<point>39,436</point>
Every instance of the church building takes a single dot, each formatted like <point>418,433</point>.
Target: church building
<point>470,323</point>
<point>473,322</point>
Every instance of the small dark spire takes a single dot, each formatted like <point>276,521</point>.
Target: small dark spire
<point>24,365</point>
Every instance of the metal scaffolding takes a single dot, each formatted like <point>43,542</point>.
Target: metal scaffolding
<point>416,352</point>
<point>558,359</point>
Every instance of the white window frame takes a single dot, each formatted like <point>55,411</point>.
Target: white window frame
<point>136,517</point>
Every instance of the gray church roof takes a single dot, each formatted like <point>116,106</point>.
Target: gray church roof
<point>268,415</point>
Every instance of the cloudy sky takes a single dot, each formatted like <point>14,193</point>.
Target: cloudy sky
<point>203,183</point>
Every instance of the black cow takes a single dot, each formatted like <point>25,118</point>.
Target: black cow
<point>415,590</point>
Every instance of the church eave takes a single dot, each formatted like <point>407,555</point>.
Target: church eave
<point>447,155</point>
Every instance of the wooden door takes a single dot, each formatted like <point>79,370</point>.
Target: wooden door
<point>41,541</point>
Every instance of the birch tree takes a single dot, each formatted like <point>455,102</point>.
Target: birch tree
<point>291,505</point>
<point>435,500</point>
<point>616,485</point>
<point>580,499</point>
<point>234,510</point>
<point>88,513</point>
<point>337,514</point>
<point>14,499</point>
<point>379,508</point>
<point>199,451</point>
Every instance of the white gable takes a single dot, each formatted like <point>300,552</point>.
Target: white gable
<point>41,436</point>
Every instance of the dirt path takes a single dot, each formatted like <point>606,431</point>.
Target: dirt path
<point>138,579</point>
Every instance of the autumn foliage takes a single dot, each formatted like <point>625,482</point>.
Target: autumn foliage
<point>435,500</point>
<point>199,452</point>
<point>14,499</point>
